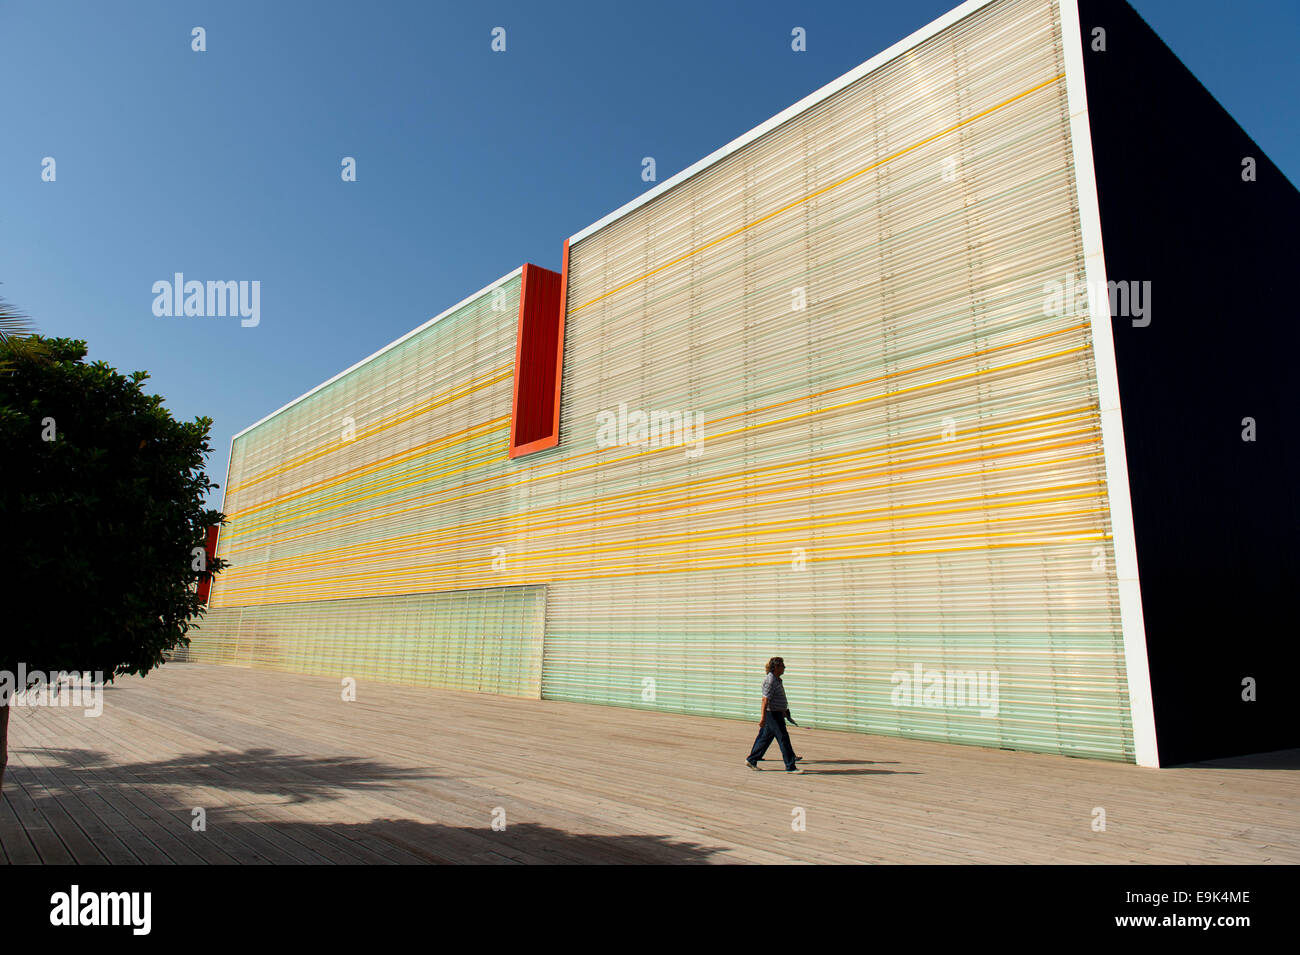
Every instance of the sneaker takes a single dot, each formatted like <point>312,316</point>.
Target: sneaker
<point>751,764</point>
<point>797,771</point>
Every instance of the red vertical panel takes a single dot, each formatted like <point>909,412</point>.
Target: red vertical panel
<point>539,360</point>
<point>210,554</point>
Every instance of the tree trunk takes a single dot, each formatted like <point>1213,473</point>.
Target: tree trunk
<point>4,740</point>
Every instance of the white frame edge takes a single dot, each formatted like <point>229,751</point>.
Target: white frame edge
<point>1123,539</point>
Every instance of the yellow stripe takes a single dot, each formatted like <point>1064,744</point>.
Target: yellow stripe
<point>377,465</point>
<point>546,556</point>
<point>611,461</point>
<point>414,411</point>
<point>660,505</point>
<point>425,581</point>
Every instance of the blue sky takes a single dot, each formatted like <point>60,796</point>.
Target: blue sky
<point>225,164</point>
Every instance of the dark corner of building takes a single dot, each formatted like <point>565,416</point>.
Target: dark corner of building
<point>1190,204</point>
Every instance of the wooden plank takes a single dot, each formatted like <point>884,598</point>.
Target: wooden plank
<point>352,847</point>
<point>88,840</point>
<point>122,807</point>
<point>291,773</point>
<point>233,836</point>
<point>15,840</point>
<point>998,808</point>
<point>23,794</point>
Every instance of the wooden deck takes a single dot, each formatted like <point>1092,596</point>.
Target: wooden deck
<point>287,772</point>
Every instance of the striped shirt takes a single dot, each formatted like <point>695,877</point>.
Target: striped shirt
<point>774,690</point>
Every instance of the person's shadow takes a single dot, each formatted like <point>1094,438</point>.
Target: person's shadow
<point>805,763</point>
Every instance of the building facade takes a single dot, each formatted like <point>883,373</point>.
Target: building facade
<point>835,393</point>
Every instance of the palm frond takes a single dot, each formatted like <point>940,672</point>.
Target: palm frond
<point>13,323</point>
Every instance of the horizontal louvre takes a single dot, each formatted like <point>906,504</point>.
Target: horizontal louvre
<point>487,641</point>
<point>922,439</point>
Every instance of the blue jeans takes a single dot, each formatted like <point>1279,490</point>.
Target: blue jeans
<point>773,729</point>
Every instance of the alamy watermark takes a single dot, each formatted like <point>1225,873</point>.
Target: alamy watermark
<point>945,689</point>
<point>212,299</point>
<point>654,429</point>
<point>1074,295</point>
<point>60,688</point>
<point>75,907</point>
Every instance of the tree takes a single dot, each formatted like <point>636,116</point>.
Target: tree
<point>103,516</point>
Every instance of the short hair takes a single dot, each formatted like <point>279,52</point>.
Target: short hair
<point>771,664</point>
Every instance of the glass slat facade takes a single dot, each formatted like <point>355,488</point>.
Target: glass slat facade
<point>892,466</point>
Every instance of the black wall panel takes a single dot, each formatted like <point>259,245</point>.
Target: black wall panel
<point>1215,517</point>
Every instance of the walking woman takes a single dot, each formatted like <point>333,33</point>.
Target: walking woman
<point>771,722</point>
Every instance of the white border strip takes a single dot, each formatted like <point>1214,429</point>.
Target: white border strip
<point>1123,539</point>
<point>393,344</point>
<point>809,101</point>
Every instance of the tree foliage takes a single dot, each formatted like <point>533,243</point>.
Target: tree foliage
<point>101,508</point>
